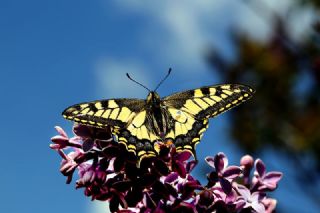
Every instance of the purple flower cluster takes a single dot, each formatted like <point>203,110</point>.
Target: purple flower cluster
<point>108,172</point>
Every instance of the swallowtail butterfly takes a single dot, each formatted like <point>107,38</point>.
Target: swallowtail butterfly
<point>180,118</point>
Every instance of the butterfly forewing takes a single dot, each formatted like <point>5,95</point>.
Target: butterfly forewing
<point>209,101</point>
<point>113,112</point>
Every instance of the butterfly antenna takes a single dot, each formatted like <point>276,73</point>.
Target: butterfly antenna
<point>138,82</point>
<point>163,79</point>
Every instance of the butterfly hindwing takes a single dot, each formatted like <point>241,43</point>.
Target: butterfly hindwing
<point>138,138</point>
<point>187,130</point>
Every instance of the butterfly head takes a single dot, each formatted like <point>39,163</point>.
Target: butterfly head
<point>153,98</point>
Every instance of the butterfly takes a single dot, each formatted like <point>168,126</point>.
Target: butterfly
<point>180,118</point>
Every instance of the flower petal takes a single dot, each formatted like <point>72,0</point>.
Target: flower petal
<point>255,181</point>
<point>213,177</point>
<point>58,139</point>
<point>225,185</point>
<point>87,144</point>
<point>185,207</point>
<point>54,146</point>
<point>232,172</point>
<point>171,177</point>
<point>244,191</point>
<point>61,131</point>
<point>257,196</point>
<point>240,203</point>
<point>188,189</point>
<point>191,165</point>
<point>101,176</point>
<point>231,197</point>
<point>258,207</point>
<point>210,161</point>
<point>270,204</point>
<point>88,177</point>
<point>206,198</point>
<point>182,156</point>
<point>260,167</point>
<point>272,177</point>
<point>220,162</point>
<point>266,186</point>
<point>82,130</point>
<point>75,139</point>
<point>179,168</point>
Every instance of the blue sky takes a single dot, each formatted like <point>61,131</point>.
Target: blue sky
<point>57,53</point>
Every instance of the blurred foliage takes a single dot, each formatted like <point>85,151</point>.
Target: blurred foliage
<point>315,3</point>
<point>285,111</point>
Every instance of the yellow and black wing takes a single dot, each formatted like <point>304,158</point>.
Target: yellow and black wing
<point>126,117</point>
<point>116,113</point>
<point>191,110</point>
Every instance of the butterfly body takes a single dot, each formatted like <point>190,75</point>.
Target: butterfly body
<point>180,118</point>
<point>158,121</point>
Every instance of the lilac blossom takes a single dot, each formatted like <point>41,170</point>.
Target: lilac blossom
<point>223,173</point>
<point>108,172</point>
<point>62,140</point>
<point>263,181</point>
<point>270,204</point>
<point>246,164</point>
<point>248,199</point>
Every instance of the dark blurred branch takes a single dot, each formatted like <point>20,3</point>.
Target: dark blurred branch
<point>282,114</point>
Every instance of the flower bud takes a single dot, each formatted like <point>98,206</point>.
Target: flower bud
<point>246,161</point>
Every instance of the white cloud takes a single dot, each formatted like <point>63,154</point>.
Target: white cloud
<point>301,23</point>
<point>177,33</point>
<point>255,18</point>
<point>180,31</point>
